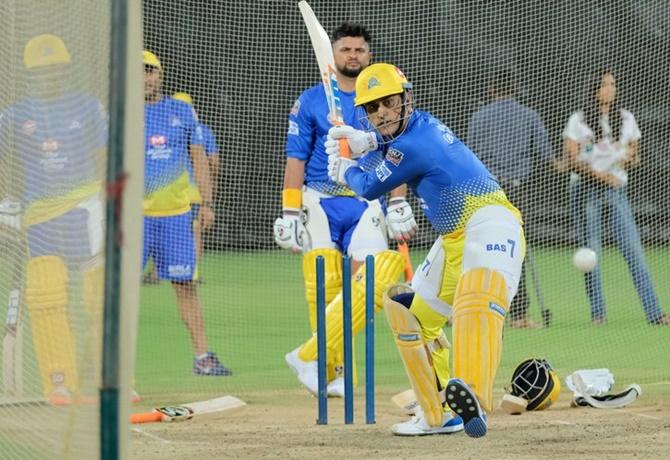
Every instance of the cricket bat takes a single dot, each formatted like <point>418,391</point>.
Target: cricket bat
<point>12,347</point>
<point>188,411</point>
<point>323,50</point>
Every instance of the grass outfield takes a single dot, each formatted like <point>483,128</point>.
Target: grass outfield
<point>255,313</point>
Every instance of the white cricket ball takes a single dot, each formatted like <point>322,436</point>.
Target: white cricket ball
<point>584,260</point>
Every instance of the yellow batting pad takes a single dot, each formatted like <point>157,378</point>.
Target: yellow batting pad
<point>333,280</point>
<point>480,305</point>
<point>46,299</point>
<point>415,355</point>
<point>389,265</point>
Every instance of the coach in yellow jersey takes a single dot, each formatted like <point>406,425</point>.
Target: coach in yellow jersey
<point>173,138</point>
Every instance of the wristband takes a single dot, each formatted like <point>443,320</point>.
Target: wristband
<point>292,198</point>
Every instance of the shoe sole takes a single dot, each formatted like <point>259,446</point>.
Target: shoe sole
<point>448,430</point>
<point>463,402</point>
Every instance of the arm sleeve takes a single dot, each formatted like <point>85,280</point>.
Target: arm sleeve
<point>385,177</point>
<point>211,147</point>
<point>301,129</point>
<point>193,127</point>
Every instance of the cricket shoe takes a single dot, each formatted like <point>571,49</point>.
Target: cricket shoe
<point>463,401</point>
<point>306,371</point>
<point>336,388</point>
<point>210,365</point>
<point>418,426</point>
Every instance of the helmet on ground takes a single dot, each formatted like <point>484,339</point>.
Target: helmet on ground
<point>536,381</point>
<point>149,58</point>
<point>184,97</point>
<point>45,50</point>
<point>378,81</point>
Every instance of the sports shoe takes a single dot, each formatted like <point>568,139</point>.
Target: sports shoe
<point>336,388</point>
<point>210,365</point>
<point>417,426</point>
<point>463,401</point>
<point>306,371</point>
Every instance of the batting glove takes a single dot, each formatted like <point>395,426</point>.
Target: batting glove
<point>337,168</point>
<point>360,142</point>
<point>400,221</point>
<point>10,213</point>
<point>290,233</point>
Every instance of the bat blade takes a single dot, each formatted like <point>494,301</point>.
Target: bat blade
<point>187,411</point>
<point>323,50</point>
<point>406,401</point>
<point>11,348</point>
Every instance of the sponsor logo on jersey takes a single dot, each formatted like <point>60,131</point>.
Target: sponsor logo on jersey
<point>295,110</point>
<point>29,127</point>
<point>394,156</point>
<point>383,172</point>
<point>158,141</point>
<point>293,128</point>
<point>175,122</point>
<point>496,247</point>
<point>75,124</point>
<point>50,146</point>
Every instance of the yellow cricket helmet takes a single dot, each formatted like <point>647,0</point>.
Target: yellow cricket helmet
<point>378,81</point>
<point>45,50</point>
<point>149,58</point>
<point>184,97</point>
<point>536,381</point>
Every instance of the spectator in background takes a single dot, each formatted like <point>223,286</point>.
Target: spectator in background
<point>601,144</point>
<point>508,137</point>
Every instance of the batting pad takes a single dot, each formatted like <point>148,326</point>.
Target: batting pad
<point>46,299</point>
<point>389,265</point>
<point>415,355</point>
<point>480,306</point>
<point>333,271</point>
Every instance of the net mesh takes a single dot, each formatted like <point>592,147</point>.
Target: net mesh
<point>244,68</point>
<point>54,82</point>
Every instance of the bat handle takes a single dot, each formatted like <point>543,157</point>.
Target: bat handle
<point>146,417</point>
<point>404,251</point>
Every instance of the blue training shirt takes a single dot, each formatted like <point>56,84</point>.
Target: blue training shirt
<point>450,181</point>
<point>308,127</point>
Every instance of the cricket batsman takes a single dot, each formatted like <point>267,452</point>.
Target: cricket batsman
<point>472,271</point>
<point>58,138</point>
<point>327,219</point>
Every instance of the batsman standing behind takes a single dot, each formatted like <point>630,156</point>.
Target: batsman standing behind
<point>472,271</point>
<point>322,218</point>
<point>172,136</point>
<point>58,138</point>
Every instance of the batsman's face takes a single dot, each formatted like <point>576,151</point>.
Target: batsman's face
<point>153,79</point>
<point>607,90</point>
<point>352,55</point>
<point>384,114</point>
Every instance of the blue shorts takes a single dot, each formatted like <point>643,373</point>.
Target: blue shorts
<point>343,213</point>
<point>169,240</point>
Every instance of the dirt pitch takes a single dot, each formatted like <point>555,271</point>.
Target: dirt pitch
<point>282,425</point>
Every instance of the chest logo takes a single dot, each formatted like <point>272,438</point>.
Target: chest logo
<point>394,156</point>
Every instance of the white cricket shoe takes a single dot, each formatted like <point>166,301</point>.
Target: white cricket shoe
<point>417,426</point>
<point>336,388</point>
<point>306,371</point>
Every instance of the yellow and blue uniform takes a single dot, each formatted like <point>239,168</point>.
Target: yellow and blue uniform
<point>170,128</point>
<point>211,149</point>
<point>307,132</point>
<point>56,142</point>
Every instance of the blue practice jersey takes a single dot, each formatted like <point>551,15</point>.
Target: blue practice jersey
<point>308,127</point>
<point>170,128</point>
<point>448,178</point>
<point>56,142</point>
<point>211,149</point>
